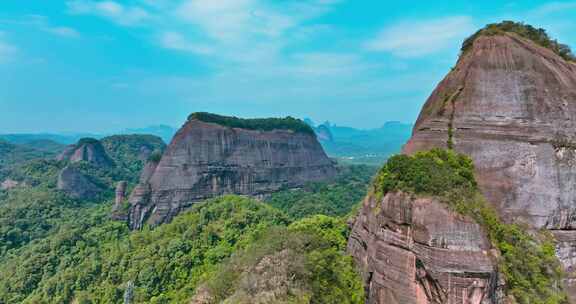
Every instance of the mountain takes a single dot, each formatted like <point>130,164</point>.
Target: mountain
<point>132,151</point>
<point>410,244</point>
<point>94,166</point>
<point>87,150</point>
<point>14,155</point>
<point>227,248</point>
<point>31,139</point>
<point>213,155</point>
<point>37,143</point>
<point>372,146</point>
<point>508,105</point>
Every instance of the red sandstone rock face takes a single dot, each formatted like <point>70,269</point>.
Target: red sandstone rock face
<point>206,160</point>
<point>415,251</point>
<point>511,106</point>
<point>118,212</point>
<point>90,151</point>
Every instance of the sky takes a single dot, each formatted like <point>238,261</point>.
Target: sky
<point>102,66</point>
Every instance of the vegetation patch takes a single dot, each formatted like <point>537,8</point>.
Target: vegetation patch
<point>537,35</point>
<point>302,263</point>
<point>130,152</point>
<point>337,198</point>
<point>262,124</point>
<point>528,263</point>
<point>74,253</point>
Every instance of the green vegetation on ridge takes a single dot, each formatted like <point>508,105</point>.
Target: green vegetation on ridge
<point>264,124</point>
<point>58,250</point>
<point>337,198</point>
<point>302,263</point>
<point>528,263</point>
<point>131,152</point>
<point>537,35</point>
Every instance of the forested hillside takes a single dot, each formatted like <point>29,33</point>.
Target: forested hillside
<point>54,249</point>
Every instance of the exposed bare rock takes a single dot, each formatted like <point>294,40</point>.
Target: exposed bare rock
<point>87,150</point>
<point>208,159</point>
<point>118,211</point>
<point>271,280</point>
<point>511,105</point>
<point>120,192</point>
<point>415,250</point>
<point>9,184</point>
<point>202,296</point>
<point>77,185</point>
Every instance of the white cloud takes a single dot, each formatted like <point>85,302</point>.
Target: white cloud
<point>420,38</point>
<point>234,21</point>
<point>7,50</point>
<point>63,31</point>
<point>175,41</point>
<point>114,11</point>
<point>43,24</point>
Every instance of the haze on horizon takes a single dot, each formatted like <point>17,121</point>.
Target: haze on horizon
<point>102,66</point>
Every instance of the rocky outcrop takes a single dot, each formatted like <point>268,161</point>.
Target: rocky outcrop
<point>414,250</point>
<point>118,210</point>
<point>87,150</point>
<point>270,280</point>
<point>207,159</point>
<point>77,185</point>
<point>9,184</point>
<point>510,104</point>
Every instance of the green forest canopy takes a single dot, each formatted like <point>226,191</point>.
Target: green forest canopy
<point>263,124</point>
<point>537,35</point>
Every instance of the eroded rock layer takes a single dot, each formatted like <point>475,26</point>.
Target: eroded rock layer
<point>511,106</point>
<point>86,150</point>
<point>415,250</point>
<point>208,159</point>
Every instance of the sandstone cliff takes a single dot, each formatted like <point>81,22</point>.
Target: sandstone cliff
<point>210,156</point>
<point>88,150</point>
<point>511,105</point>
<point>414,250</point>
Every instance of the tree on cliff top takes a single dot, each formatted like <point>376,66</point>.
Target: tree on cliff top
<point>529,264</point>
<point>537,35</point>
<point>263,124</point>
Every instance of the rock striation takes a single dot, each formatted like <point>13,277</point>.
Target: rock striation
<point>87,150</point>
<point>414,250</point>
<point>225,155</point>
<point>510,104</point>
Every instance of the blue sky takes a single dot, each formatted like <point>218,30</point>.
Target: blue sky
<point>101,66</point>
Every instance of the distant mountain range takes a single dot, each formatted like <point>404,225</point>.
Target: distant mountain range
<point>345,143</point>
<point>362,145</point>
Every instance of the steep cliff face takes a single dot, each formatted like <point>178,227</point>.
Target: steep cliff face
<point>207,159</point>
<point>414,250</point>
<point>88,150</point>
<point>118,211</point>
<point>510,104</point>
